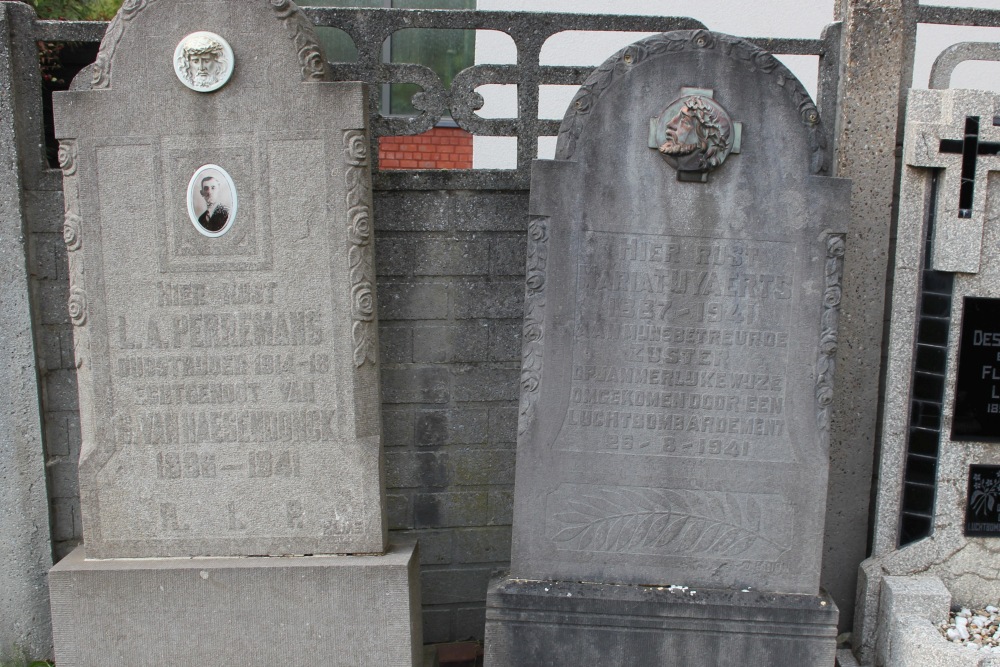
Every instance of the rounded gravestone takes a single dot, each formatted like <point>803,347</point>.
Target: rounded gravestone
<point>684,260</point>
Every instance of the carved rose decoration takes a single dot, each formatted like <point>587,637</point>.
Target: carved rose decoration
<point>77,307</point>
<point>361,226</point>
<point>357,146</point>
<point>535,280</point>
<point>831,297</point>
<point>363,302</point>
<point>313,66</point>
<point>537,232</point>
<point>71,232</point>
<point>67,157</point>
<point>835,246</point>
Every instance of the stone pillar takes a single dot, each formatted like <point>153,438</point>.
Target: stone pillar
<point>25,550</point>
<point>872,65</point>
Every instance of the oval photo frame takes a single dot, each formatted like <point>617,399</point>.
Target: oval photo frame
<point>211,200</point>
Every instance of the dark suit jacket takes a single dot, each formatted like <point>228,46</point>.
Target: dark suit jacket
<point>216,221</point>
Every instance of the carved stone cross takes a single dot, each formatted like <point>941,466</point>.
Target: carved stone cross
<point>945,131</point>
<point>971,148</point>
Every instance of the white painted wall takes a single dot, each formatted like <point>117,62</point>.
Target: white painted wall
<point>777,18</point>
<point>780,18</point>
<point>932,39</point>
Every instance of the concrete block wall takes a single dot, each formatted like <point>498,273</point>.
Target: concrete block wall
<point>48,268</point>
<point>450,270</point>
<point>438,148</point>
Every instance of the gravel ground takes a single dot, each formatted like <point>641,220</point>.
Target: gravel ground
<point>975,628</point>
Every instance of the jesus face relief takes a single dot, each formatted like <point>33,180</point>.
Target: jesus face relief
<point>682,134</point>
<point>203,61</point>
<point>204,68</point>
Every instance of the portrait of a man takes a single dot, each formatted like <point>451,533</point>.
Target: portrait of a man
<point>697,136</point>
<point>203,61</point>
<point>216,214</point>
<point>211,200</point>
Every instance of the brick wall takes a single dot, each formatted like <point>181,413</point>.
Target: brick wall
<point>450,285</point>
<point>438,148</point>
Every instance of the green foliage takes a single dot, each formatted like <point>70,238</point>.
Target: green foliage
<point>16,658</point>
<point>76,10</point>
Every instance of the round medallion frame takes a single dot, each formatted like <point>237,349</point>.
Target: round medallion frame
<point>211,54</point>
<point>694,133</point>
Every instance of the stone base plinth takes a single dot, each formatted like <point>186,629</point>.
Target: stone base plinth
<point>348,611</point>
<point>561,624</point>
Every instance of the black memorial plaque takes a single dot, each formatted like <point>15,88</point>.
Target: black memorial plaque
<point>982,511</point>
<point>977,390</point>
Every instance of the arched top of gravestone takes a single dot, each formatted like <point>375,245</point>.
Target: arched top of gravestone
<point>138,50</point>
<point>751,72</point>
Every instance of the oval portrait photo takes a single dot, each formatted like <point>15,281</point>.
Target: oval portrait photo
<point>211,200</point>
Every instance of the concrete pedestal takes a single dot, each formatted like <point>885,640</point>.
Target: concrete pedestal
<point>350,611</point>
<point>561,624</point>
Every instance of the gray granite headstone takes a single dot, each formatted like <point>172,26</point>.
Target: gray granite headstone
<point>218,222</point>
<point>683,282</point>
<point>684,266</point>
<point>227,358</point>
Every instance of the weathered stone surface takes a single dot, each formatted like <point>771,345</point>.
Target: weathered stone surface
<point>903,600</point>
<point>258,612</point>
<point>873,71</point>
<point>563,624</point>
<point>933,116</point>
<point>917,643</point>
<point>947,554</point>
<point>229,385</point>
<point>679,335</point>
<point>25,553</point>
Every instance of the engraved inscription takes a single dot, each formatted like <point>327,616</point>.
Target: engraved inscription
<point>190,465</point>
<point>680,347</point>
<point>225,382</point>
<point>169,520</point>
<point>264,328</point>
